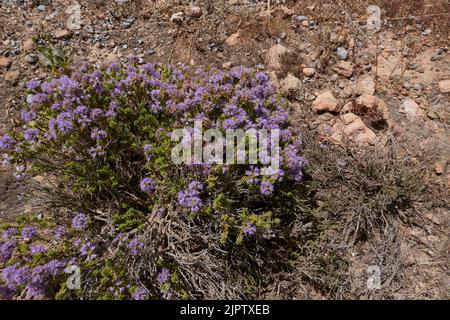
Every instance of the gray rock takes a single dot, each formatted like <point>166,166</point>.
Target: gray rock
<point>51,16</point>
<point>41,8</point>
<point>438,51</point>
<point>127,23</point>
<point>407,85</point>
<point>418,86</point>
<point>31,58</point>
<point>301,18</point>
<point>413,66</point>
<point>177,17</point>
<point>437,54</point>
<point>342,53</point>
<point>426,32</point>
<point>282,35</point>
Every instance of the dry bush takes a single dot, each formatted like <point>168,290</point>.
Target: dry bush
<point>373,185</point>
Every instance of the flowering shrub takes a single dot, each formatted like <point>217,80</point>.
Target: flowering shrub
<point>138,225</point>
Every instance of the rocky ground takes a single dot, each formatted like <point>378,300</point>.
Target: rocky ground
<point>348,83</point>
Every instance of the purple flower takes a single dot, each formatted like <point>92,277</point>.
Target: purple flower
<point>38,98</point>
<point>112,111</point>
<point>163,275</point>
<point>19,172</point>
<point>269,234</point>
<point>13,275</point>
<point>266,188</point>
<point>27,116</point>
<point>64,122</point>
<point>59,233</point>
<point>135,245</point>
<point>55,266</point>
<point>190,198</point>
<point>29,232</point>
<point>35,279</point>
<point>33,84</point>
<point>6,142</point>
<point>36,249</point>
<point>87,249</point>
<point>294,162</point>
<point>96,151</point>
<point>7,292</point>
<point>6,160</point>
<point>148,151</point>
<point>79,222</point>
<point>67,84</point>
<point>249,229</point>
<point>6,250</point>
<point>98,134</point>
<point>9,233</point>
<point>31,135</point>
<point>96,114</point>
<point>140,294</point>
<point>148,185</point>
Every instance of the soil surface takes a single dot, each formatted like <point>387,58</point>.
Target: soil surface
<point>322,54</point>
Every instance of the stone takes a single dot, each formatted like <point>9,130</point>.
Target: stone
<point>342,53</point>
<point>41,8</point>
<point>326,102</point>
<point>274,81</point>
<point>344,68</point>
<point>348,91</point>
<point>365,85</point>
<point>418,86</point>
<point>12,76</point>
<point>301,18</point>
<point>326,117</point>
<point>349,118</point>
<point>407,85</point>
<point>357,131</point>
<point>370,101</point>
<point>286,11</point>
<point>352,128</point>
<point>126,24</point>
<point>426,32</point>
<point>31,58</point>
<point>410,108</point>
<point>233,39</point>
<point>347,107</point>
<point>227,65</point>
<point>61,34</point>
<point>309,72</point>
<point>432,115</point>
<point>194,12</point>
<point>5,62</point>
<point>274,56</point>
<point>440,167</point>
<point>444,86</point>
<point>28,45</point>
<point>177,17</point>
<point>290,84</point>
<point>305,23</point>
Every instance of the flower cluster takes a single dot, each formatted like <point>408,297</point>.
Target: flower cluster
<point>34,279</point>
<point>148,185</point>
<point>106,135</point>
<point>190,198</point>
